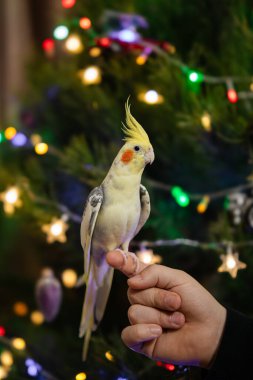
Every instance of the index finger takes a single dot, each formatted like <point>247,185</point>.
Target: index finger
<point>127,263</point>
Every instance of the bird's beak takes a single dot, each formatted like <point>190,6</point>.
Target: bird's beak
<point>149,156</point>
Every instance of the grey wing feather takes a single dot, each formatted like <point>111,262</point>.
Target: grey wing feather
<point>92,207</point>
<point>145,208</point>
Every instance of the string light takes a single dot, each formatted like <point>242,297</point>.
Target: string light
<point>206,121</point>
<point>36,317</point>
<point>85,23</point>
<point>20,309</point>
<point>2,331</point>
<point>6,359</point>
<point>74,44</point>
<point>35,139</point>
<point>10,132</point>
<point>104,42</point>
<point>147,256</point>
<point>48,45</point>
<point>151,97</point>
<point>109,356</point>
<point>195,76</point>
<point>69,278</point>
<point>81,376</point>
<point>19,139</point>
<point>41,148</point>
<point>3,372</point>
<point>18,343</point>
<point>33,368</point>
<point>202,206</point>
<point>231,263</point>
<point>61,32</point>
<point>11,199</point>
<point>95,52</point>
<point>56,230</point>
<point>68,3</point>
<point>231,93</point>
<point>91,75</point>
<point>180,196</point>
<point>141,59</point>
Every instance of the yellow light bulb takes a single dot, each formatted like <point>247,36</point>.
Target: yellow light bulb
<point>19,343</point>
<point>109,356</point>
<point>202,206</point>
<point>206,121</point>
<point>37,317</point>
<point>20,309</point>
<point>41,148</point>
<point>91,75</point>
<point>151,97</point>
<point>141,59</point>
<point>95,52</point>
<point>10,132</point>
<point>3,372</point>
<point>11,195</point>
<point>35,139</point>
<point>81,376</point>
<point>6,359</point>
<point>74,44</point>
<point>69,278</point>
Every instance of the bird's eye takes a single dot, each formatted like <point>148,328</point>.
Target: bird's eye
<point>136,148</point>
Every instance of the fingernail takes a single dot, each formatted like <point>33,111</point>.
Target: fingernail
<point>178,318</point>
<point>155,330</point>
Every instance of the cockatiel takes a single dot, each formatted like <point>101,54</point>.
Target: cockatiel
<point>114,213</point>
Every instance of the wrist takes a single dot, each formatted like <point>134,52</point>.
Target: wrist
<point>217,329</point>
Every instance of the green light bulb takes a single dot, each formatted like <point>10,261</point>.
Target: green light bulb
<point>195,76</point>
<point>183,200</point>
<point>176,191</point>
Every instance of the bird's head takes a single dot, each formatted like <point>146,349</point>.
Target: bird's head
<point>137,150</point>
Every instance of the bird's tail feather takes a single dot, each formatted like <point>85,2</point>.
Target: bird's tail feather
<point>102,297</point>
<point>87,339</point>
<point>81,281</point>
<point>88,306</point>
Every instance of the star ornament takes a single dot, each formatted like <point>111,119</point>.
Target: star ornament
<point>11,199</point>
<point>56,230</point>
<point>147,256</point>
<point>231,263</point>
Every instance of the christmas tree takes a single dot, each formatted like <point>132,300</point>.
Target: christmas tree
<point>188,71</point>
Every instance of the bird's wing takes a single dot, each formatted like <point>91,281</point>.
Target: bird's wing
<point>92,207</point>
<point>145,208</point>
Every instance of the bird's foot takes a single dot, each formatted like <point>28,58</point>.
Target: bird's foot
<point>126,256</point>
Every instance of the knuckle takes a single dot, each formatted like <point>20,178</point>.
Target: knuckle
<point>132,314</point>
<point>130,295</point>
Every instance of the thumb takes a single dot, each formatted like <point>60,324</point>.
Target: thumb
<point>128,263</point>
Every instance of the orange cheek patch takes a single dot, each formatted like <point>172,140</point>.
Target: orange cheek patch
<point>127,156</point>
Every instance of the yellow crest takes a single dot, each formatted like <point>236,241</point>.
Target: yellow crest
<point>133,130</point>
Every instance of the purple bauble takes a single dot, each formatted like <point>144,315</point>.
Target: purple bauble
<point>48,294</point>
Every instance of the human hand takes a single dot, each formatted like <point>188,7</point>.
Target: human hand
<point>197,340</point>
<point>168,302</point>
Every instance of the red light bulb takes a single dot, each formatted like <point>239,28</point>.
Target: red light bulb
<point>85,23</point>
<point>169,367</point>
<point>48,45</point>
<point>2,331</point>
<point>104,41</point>
<point>68,3</point>
<point>232,95</point>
